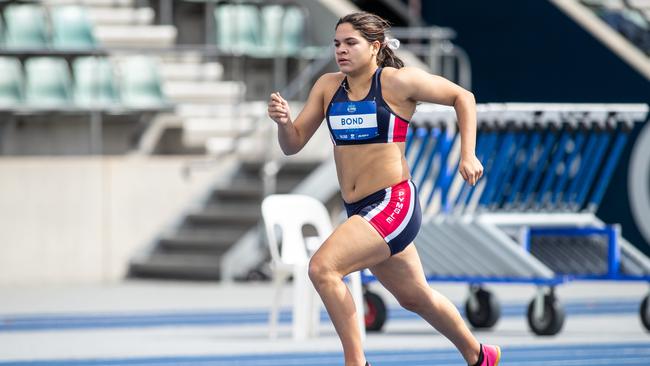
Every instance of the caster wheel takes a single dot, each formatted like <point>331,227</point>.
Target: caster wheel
<point>487,310</point>
<point>552,318</point>
<point>644,311</point>
<point>375,311</point>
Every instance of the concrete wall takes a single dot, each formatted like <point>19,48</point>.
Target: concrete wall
<point>79,220</point>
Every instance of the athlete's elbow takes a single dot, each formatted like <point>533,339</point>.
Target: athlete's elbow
<point>465,97</point>
<point>290,150</point>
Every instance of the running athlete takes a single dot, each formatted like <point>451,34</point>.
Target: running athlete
<point>367,106</point>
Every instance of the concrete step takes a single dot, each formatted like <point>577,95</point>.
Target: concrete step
<point>214,247</point>
<point>186,71</point>
<point>210,109</point>
<point>178,266</point>
<point>198,131</point>
<point>92,3</point>
<point>146,36</point>
<point>204,91</point>
<point>120,16</point>
<point>207,233</point>
<point>221,215</point>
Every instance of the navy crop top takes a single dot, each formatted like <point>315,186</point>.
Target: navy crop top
<point>367,121</point>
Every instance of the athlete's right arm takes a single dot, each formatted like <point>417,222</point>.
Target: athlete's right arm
<point>293,135</point>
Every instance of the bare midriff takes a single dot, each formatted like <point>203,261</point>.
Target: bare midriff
<point>365,169</point>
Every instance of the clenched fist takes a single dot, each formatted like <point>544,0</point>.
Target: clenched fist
<point>470,168</point>
<point>279,109</point>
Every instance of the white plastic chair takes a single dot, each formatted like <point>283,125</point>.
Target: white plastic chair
<point>291,212</point>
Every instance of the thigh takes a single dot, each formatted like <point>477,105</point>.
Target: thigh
<point>353,246</point>
<point>401,273</point>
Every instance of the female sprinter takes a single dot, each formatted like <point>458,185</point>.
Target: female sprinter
<point>367,106</point>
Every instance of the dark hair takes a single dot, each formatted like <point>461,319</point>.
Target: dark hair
<point>373,28</point>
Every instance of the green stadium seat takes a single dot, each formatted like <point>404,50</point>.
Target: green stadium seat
<point>271,33</point>
<point>238,28</point>
<point>11,82</point>
<point>71,28</point>
<point>25,27</point>
<point>47,82</point>
<point>293,30</point>
<point>94,82</point>
<point>140,84</point>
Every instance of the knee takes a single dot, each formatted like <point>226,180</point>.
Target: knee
<point>414,301</point>
<point>321,272</point>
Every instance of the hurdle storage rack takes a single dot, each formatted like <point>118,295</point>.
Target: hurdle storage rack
<point>531,218</point>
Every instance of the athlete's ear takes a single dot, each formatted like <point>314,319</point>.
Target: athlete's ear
<point>375,45</point>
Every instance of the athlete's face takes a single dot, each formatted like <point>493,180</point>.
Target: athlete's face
<point>352,50</point>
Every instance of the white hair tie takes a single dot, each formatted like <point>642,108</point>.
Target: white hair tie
<point>392,43</point>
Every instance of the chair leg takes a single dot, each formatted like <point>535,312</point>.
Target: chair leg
<point>314,312</point>
<point>356,289</point>
<point>301,302</point>
<point>278,283</point>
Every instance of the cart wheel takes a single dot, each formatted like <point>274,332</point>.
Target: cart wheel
<point>552,318</point>
<point>375,311</point>
<point>487,312</point>
<point>645,312</point>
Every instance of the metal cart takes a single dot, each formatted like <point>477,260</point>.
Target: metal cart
<point>532,217</point>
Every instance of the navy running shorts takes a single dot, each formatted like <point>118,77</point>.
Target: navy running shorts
<point>394,212</point>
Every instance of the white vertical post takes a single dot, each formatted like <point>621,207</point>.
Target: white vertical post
<point>357,295</point>
<point>301,302</point>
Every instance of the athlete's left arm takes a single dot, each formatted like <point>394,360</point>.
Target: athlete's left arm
<point>420,86</point>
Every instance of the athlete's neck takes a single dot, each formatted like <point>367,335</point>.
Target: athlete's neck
<point>359,82</point>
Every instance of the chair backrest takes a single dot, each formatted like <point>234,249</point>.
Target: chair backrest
<point>293,30</point>
<point>238,27</point>
<point>48,81</point>
<point>271,35</point>
<point>291,212</point>
<point>94,83</point>
<point>139,82</point>
<point>11,82</point>
<point>25,27</point>
<point>71,28</point>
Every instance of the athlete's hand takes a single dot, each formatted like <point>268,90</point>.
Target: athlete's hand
<point>470,168</point>
<point>279,109</point>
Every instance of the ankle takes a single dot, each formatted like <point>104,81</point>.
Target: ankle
<point>477,357</point>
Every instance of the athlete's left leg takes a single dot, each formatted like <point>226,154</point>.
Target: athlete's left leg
<point>403,276</point>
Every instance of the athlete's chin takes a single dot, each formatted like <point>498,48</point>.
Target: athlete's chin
<point>345,67</point>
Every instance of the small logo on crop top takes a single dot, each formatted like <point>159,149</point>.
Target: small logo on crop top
<point>352,108</point>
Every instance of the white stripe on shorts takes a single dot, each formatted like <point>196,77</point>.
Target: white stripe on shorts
<point>381,206</point>
<point>409,214</point>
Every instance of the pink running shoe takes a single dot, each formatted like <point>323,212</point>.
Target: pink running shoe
<point>491,355</point>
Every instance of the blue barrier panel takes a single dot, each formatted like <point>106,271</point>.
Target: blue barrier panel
<point>593,165</point>
<point>551,170</point>
<point>564,177</point>
<point>608,170</point>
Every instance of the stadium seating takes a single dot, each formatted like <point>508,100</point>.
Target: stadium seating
<point>48,83</point>
<point>94,83</point>
<point>71,28</point>
<point>265,31</point>
<point>11,82</point>
<point>25,27</point>
<point>140,83</point>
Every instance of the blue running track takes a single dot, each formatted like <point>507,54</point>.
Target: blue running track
<point>39,322</point>
<point>624,354</point>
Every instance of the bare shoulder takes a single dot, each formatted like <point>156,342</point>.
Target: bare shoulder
<point>401,77</point>
<point>328,81</point>
<point>327,85</point>
<point>400,80</point>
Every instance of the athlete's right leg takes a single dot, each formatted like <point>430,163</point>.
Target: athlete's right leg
<point>354,245</point>
<point>403,276</point>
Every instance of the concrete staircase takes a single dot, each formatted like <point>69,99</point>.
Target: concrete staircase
<point>193,249</point>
